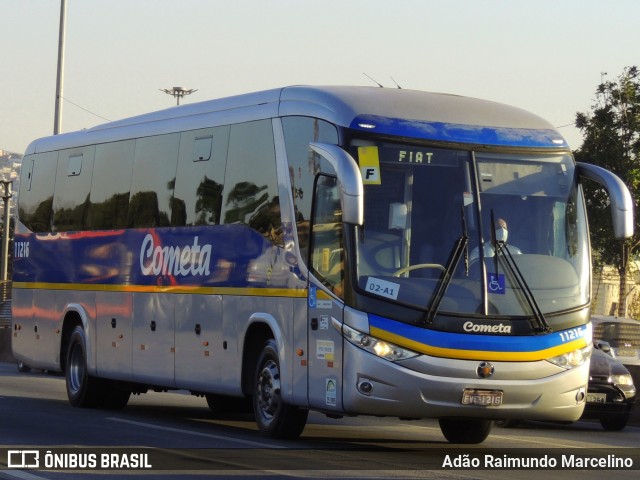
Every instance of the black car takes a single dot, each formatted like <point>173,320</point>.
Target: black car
<point>610,393</point>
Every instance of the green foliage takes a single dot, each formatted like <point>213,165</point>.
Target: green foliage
<point>611,134</point>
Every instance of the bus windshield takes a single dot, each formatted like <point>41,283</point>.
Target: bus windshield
<point>472,233</point>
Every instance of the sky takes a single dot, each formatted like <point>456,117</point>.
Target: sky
<point>546,56</point>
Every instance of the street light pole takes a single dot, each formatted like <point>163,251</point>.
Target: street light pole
<point>58,110</point>
<point>178,92</point>
<point>5,229</point>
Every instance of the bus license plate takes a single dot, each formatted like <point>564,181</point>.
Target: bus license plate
<point>596,397</point>
<point>471,396</point>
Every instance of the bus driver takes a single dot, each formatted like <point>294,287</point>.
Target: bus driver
<point>501,235</point>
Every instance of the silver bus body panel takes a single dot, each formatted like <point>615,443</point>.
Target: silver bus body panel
<point>401,392</point>
<point>114,327</point>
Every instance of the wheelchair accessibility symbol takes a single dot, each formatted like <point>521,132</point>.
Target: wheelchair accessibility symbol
<point>495,283</point>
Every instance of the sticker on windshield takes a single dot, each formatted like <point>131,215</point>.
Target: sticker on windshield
<point>382,288</point>
<point>369,165</point>
<point>495,283</point>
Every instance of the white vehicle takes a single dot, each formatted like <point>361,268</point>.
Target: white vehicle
<point>310,248</point>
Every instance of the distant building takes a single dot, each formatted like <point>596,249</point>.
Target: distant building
<point>606,287</point>
<point>10,164</point>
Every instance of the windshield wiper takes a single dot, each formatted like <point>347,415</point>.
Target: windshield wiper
<point>501,248</point>
<point>460,248</point>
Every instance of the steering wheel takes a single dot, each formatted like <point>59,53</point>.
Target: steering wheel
<point>418,266</point>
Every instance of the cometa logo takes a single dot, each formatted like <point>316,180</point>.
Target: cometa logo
<point>484,328</point>
<point>171,260</point>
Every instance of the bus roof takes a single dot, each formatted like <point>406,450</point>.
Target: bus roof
<point>399,112</point>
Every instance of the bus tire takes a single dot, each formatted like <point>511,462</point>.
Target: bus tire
<point>465,430</point>
<point>83,390</point>
<point>274,417</point>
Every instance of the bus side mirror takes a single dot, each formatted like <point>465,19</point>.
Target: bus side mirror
<point>349,181</point>
<point>604,346</point>
<point>621,202</point>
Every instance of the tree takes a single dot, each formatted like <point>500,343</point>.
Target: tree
<point>611,139</point>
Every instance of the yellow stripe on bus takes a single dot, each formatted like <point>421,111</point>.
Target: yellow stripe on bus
<point>171,289</point>
<point>488,355</point>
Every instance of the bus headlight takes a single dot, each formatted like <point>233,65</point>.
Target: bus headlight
<point>572,359</point>
<point>381,348</point>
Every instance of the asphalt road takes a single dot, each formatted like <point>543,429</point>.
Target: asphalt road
<point>182,438</point>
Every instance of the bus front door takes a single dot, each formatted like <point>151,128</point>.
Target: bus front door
<point>325,350</point>
<point>325,291</point>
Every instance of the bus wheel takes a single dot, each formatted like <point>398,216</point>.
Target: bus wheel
<point>275,418</point>
<point>465,430</point>
<point>83,390</point>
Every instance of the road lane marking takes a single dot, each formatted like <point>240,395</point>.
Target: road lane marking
<point>248,443</point>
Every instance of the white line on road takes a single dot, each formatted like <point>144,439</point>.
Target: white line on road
<point>248,443</point>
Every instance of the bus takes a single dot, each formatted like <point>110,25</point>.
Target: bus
<point>344,250</point>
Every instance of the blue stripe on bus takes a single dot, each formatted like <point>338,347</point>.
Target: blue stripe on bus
<point>471,134</point>
<point>475,342</point>
<point>183,256</point>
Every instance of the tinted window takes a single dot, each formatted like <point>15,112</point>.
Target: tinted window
<point>109,201</point>
<point>36,190</point>
<point>327,259</point>
<point>200,177</point>
<point>154,175</point>
<point>304,165</point>
<point>73,184</point>
<point>251,185</point>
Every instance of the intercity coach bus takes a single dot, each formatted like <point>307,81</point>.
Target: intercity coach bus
<point>347,250</point>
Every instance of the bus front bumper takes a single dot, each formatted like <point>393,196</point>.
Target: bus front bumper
<point>436,387</point>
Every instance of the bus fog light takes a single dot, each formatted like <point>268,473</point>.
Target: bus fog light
<point>365,387</point>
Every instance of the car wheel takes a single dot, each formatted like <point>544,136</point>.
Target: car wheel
<point>614,424</point>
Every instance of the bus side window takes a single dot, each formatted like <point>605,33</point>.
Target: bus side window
<point>200,179</point>
<point>154,176</point>
<point>251,184</point>
<point>36,192</point>
<point>304,165</point>
<point>109,202</point>
<point>327,258</point>
<point>72,188</point>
